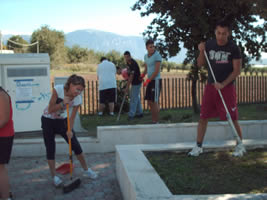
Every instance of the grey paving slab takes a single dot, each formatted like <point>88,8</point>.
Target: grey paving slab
<point>30,179</point>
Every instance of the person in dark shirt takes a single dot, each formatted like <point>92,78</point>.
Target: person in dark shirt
<point>135,83</point>
<point>225,60</point>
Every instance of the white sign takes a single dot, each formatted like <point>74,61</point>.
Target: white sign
<point>24,91</point>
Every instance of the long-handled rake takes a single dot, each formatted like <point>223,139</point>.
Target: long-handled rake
<point>124,97</point>
<point>240,147</point>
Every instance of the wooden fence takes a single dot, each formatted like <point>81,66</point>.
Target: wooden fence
<point>176,93</point>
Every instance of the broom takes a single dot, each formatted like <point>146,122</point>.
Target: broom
<point>124,96</point>
<point>73,183</point>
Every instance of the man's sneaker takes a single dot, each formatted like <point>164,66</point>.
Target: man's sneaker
<point>111,113</point>
<point>130,118</point>
<point>10,196</point>
<point>91,174</point>
<point>239,150</point>
<point>100,113</point>
<point>57,181</point>
<point>196,151</point>
<point>139,116</point>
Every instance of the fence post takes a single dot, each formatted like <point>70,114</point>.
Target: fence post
<point>165,102</point>
<point>88,92</point>
<point>244,91</point>
<point>169,103</point>
<point>96,96</point>
<point>93,99</point>
<point>179,92</point>
<point>176,93</point>
<point>182,93</point>
<point>172,92</point>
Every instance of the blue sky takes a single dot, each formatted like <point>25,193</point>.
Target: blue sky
<point>26,16</point>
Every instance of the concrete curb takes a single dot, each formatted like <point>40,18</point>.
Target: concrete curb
<point>110,136</point>
<point>139,181</point>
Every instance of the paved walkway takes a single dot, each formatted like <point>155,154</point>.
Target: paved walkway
<point>30,179</point>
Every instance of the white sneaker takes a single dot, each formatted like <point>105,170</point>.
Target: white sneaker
<point>90,173</point>
<point>100,113</point>
<point>195,151</point>
<point>111,113</point>
<point>57,181</point>
<point>239,150</point>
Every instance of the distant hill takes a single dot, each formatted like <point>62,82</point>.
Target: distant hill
<point>106,41</point>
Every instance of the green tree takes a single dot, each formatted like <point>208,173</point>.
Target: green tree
<point>164,64</point>
<point>17,43</point>
<point>76,54</point>
<point>51,42</point>
<point>189,22</point>
<point>116,58</point>
<point>92,57</point>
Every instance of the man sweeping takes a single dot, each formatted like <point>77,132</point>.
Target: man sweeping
<point>225,61</point>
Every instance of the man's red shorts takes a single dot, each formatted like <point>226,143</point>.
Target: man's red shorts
<point>212,105</point>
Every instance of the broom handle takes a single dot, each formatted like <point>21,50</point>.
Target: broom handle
<point>236,136</point>
<point>70,151</point>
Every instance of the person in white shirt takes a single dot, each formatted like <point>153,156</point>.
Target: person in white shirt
<point>54,121</point>
<point>106,74</point>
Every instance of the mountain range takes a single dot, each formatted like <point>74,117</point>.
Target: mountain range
<point>106,41</point>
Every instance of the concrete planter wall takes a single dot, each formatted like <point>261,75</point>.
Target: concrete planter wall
<point>176,133</point>
<point>109,136</point>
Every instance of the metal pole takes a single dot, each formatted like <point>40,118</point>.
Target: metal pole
<point>37,46</point>
<point>1,47</point>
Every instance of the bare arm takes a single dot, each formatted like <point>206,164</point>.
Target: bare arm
<point>52,106</point>
<point>157,69</point>
<point>236,72</point>
<point>201,61</point>
<point>4,109</point>
<point>145,71</point>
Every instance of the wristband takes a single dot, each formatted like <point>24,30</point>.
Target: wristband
<point>146,82</point>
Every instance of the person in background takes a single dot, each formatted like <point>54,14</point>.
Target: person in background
<point>225,59</point>
<point>106,75</point>
<point>153,82</point>
<point>54,121</point>
<point>6,142</point>
<point>135,83</point>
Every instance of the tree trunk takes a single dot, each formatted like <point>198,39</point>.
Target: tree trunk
<point>194,96</point>
<point>195,78</point>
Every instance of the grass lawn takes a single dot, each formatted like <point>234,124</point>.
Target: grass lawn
<point>212,173</point>
<point>246,112</point>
